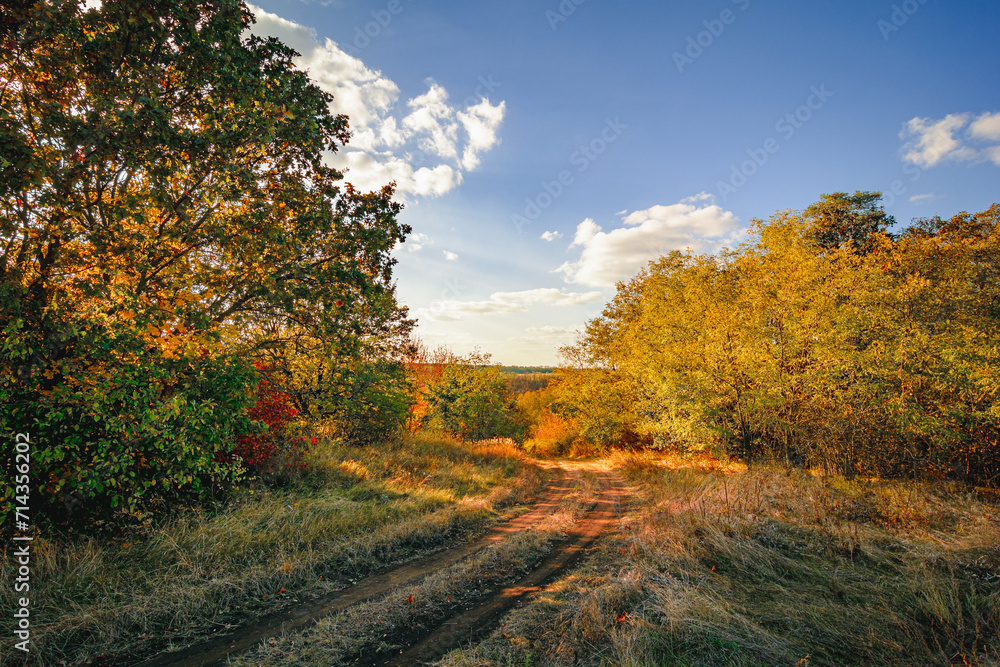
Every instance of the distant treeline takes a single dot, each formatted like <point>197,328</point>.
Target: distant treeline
<point>527,369</point>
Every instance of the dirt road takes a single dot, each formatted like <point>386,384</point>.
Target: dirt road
<point>464,625</point>
<point>479,621</point>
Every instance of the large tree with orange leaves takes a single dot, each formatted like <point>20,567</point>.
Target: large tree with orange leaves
<point>167,210</point>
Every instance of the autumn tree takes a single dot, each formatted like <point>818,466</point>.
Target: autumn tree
<point>839,218</point>
<point>167,213</point>
<point>819,341</point>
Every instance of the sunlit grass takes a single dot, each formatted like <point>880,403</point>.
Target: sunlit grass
<point>722,566</point>
<point>353,510</point>
<point>381,626</point>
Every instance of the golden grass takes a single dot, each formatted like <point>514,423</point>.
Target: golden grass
<point>353,510</point>
<point>721,566</point>
<point>378,627</point>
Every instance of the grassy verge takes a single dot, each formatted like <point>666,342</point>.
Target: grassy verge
<point>727,567</point>
<point>357,509</point>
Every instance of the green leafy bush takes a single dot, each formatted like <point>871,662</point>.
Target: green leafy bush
<point>370,401</point>
<point>118,424</point>
<point>471,400</point>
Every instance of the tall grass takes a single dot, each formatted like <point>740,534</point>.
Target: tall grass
<point>351,511</point>
<point>721,566</point>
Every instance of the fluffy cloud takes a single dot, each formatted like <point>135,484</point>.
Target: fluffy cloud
<point>425,150</point>
<point>373,170</point>
<point>482,124</point>
<point>986,127</point>
<point>505,303</point>
<point>432,119</point>
<point>550,236</point>
<point>415,242</point>
<point>607,257</point>
<point>450,256</point>
<point>962,137</point>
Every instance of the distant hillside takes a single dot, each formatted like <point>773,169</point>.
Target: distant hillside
<point>527,369</point>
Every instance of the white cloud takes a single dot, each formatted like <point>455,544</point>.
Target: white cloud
<point>425,151</point>
<point>932,141</point>
<point>986,127</point>
<point>555,331</point>
<point>505,303</point>
<point>450,256</point>
<point>961,137</point>
<point>432,119</point>
<point>369,171</point>
<point>993,154</point>
<point>482,124</point>
<point>607,257</point>
<point>550,236</point>
<point>916,199</point>
<point>415,242</point>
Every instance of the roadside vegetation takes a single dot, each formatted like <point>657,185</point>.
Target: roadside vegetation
<point>718,565</point>
<point>829,339</point>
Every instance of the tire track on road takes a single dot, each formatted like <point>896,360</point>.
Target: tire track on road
<point>477,622</point>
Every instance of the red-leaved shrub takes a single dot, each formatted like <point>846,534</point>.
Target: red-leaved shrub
<point>260,452</point>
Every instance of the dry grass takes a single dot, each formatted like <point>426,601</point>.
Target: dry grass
<point>378,627</point>
<point>354,511</point>
<point>720,566</point>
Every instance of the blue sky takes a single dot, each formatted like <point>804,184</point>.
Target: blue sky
<point>622,131</point>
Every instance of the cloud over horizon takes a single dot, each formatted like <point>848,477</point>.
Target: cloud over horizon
<point>505,303</point>
<point>694,223</point>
